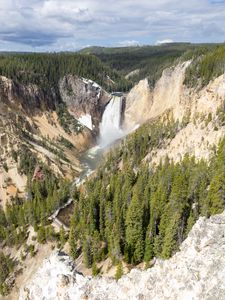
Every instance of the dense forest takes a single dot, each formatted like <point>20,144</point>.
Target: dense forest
<point>45,70</point>
<point>132,212</point>
<point>127,210</point>
<point>108,66</point>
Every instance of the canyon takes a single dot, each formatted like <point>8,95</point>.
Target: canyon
<point>71,136</point>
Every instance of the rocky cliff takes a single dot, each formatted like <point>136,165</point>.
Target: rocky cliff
<point>170,93</point>
<point>138,104</point>
<point>198,111</point>
<point>84,98</point>
<point>196,272</point>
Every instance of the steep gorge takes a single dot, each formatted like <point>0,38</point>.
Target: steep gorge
<point>39,121</point>
<point>191,122</point>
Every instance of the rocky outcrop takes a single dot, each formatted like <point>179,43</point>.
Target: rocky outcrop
<point>84,98</point>
<point>169,93</point>
<point>138,104</point>
<point>196,272</point>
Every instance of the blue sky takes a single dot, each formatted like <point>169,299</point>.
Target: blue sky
<point>60,25</point>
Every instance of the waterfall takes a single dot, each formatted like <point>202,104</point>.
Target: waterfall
<point>111,120</point>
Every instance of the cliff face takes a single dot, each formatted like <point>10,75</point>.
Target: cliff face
<point>84,98</point>
<point>196,272</point>
<point>196,110</point>
<point>138,104</point>
<point>170,94</point>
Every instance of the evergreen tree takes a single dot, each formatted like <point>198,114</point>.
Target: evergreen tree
<point>119,271</point>
<point>134,229</point>
<point>41,234</point>
<point>62,236</point>
<point>95,270</point>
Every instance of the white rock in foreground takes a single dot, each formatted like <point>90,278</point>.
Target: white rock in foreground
<point>196,272</point>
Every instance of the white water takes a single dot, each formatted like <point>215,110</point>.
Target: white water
<point>110,129</point>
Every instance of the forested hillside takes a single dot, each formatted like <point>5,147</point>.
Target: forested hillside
<point>132,212</point>
<point>148,61</point>
<point>207,65</point>
<point>46,70</point>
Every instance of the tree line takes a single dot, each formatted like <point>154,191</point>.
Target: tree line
<point>45,70</point>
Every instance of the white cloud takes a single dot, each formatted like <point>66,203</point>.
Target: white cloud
<point>57,24</point>
<point>166,41</point>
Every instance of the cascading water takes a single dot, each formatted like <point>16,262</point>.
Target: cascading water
<point>111,120</point>
<point>110,131</point>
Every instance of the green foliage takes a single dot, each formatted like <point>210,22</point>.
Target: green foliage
<point>119,271</point>
<point>41,234</point>
<point>139,213</point>
<point>66,143</point>
<point>149,60</point>
<point>216,195</point>
<point>27,161</point>
<point>31,250</point>
<point>221,114</point>
<point>43,197</point>
<point>95,269</point>
<point>205,67</point>
<point>134,230</point>
<point>62,235</point>
<point>6,267</point>
<point>46,70</point>
<point>86,247</point>
<point>67,121</point>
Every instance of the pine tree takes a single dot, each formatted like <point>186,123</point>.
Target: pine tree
<point>119,271</point>
<point>41,234</point>
<point>149,247</point>
<point>95,270</point>
<point>87,253</point>
<point>62,236</point>
<point>134,229</point>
